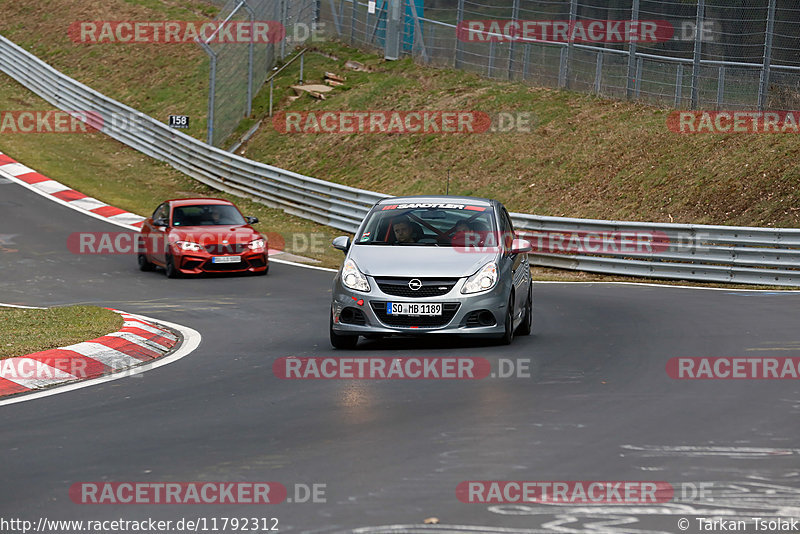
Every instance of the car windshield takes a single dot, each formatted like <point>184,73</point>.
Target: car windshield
<point>207,215</point>
<point>421,224</point>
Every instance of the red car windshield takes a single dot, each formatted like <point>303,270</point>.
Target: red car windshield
<point>207,215</point>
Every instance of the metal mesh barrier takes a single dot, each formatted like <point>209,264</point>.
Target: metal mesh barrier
<point>723,54</point>
<point>239,69</point>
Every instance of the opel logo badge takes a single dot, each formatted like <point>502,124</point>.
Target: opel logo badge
<point>414,284</point>
<point>224,241</point>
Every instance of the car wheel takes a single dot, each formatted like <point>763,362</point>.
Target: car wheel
<point>508,334</point>
<point>170,270</point>
<point>524,328</point>
<point>144,263</point>
<point>342,341</point>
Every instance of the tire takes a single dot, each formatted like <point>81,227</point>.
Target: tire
<point>508,335</point>
<point>342,341</point>
<point>144,263</point>
<point>169,268</point>
<point>263,273</point>
<point>524,329</point>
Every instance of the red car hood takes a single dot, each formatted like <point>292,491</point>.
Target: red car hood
<point>215,235</point>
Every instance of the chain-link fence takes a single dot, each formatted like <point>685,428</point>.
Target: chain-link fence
<point>241,62</point>
<point>731,54</point>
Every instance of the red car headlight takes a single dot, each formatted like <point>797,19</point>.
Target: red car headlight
<point>189,246</point>
<point>257,245</point>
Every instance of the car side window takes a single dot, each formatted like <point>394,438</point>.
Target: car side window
<point>507,228</point>
<point>162,212</point>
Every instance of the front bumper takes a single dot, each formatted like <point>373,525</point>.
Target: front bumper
<point>201,262</point>
<point>356,312</point>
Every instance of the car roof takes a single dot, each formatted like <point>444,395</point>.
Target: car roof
<point>436,199</point>
<point>195,201</point>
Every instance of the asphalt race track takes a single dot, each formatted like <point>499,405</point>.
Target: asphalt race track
<point>598,404</point>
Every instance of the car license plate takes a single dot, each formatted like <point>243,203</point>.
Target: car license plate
<point>413,308</point>
<point>226,259</point>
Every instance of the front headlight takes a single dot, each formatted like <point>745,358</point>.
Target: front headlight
<point>257,244</point>
<point>353,278</point>
<point>484,280</point>
<point>189,245</point>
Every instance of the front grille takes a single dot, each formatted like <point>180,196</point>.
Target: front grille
<point>431,287</point>
<point>220,249</point>
<point>449,310</point>
<point>223,267</point>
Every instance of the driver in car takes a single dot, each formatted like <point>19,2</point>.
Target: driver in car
<point>403,230</point>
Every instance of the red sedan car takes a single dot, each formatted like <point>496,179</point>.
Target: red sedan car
<point>201,235</point>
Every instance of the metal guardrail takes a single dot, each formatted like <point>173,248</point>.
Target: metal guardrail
<point>323,202</point>
<point>679,251</point>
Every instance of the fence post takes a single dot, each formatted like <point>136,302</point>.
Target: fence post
<point>598,73</point>
<point>353,20</point>
<point>491,59</point>
<point>284,21</point>
<point>212,87</point>
<point>573,16</point>
<point>763,86</point>
<point>459,21</point>
<point>698,49</point>
<point>418,32</point>
<point>249,106</point>
<point>514,17</point>
<point>562,67</point>
<point>526,60</point>
<point>391,41</point>
<point>632,80</point>
<point>638,84</point>
<point>721,86</point>
<point>679,85</point>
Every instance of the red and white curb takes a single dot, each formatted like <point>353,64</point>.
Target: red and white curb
<point>140,341</point>
<point>58,192</point>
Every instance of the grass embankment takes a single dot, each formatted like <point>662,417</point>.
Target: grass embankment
<point>24,331</point>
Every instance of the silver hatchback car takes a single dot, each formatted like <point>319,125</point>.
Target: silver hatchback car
<point>432,265</point>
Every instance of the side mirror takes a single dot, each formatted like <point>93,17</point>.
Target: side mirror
<point>342,243</point>
<point>160,222</point>
<point>519,246</point>
<point>251,220</point>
